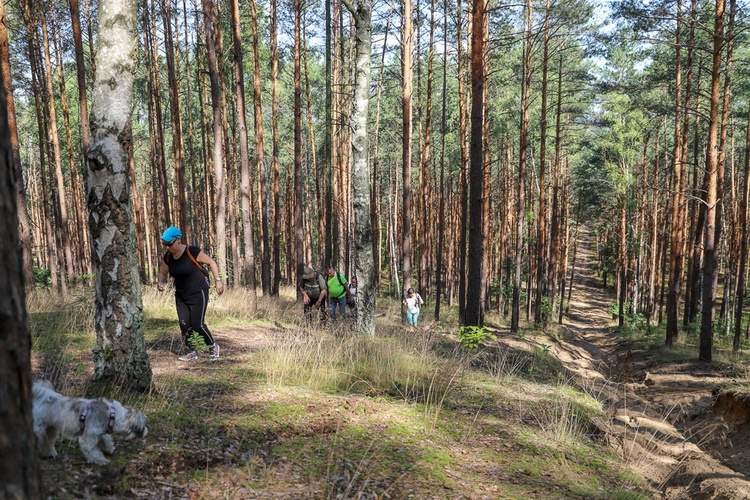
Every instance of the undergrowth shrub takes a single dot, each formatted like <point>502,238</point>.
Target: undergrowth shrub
<point>471,336</point>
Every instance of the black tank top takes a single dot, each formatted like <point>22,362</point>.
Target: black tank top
<point>188,279</point>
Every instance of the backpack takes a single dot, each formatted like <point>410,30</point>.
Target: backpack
<point>203,267</point>
<point>308,286</point>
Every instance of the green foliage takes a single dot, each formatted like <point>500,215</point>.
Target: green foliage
<point>472,336</point>
<point>614,308</point>
<point>42,276</point>
<point>86,279</point>
<point>195,340</point>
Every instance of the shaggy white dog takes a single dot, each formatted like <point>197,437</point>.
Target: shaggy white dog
<point>92,421</point>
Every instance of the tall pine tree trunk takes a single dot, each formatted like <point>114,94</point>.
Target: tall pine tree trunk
<point>475,284</point>
<point>542,253</point>
<point>265,267</point>
<point>712,166</point>
<point>19,466</point>
<point>522,158</point>
<point>298,188</point>
<point>275,152</point>
<point>210,20</point>
<point>24,223</point>
<point>54,137</point>
<point>407,44</point>
<point>742,226</point>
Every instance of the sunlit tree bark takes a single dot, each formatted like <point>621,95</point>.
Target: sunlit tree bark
<point>245,190</point>
<point>522,159</point>
<point>210,33</point>
<point>120,352</point>
<point>24,223</point>
<point>713,221</point>
<point>407,45</point>
<point>475,283</point>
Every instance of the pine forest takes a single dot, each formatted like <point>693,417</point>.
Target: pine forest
<point>475,151</point>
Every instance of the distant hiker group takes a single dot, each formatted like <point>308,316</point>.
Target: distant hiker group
<point>327,294</point>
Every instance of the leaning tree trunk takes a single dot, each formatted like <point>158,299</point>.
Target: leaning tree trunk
<point>120,350</point>
<point>19,467</point>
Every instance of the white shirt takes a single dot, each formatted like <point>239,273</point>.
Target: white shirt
<point>413,302</point>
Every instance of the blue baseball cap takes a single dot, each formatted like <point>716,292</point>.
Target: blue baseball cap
<point>171,233</point>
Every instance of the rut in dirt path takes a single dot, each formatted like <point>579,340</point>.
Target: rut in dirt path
<point>589,346</point>
<point>652,415</point>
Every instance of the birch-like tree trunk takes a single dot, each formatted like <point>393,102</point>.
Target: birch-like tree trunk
<point>363,262</point>
<point>120,350</point>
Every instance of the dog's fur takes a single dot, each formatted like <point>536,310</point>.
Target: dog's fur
<point>57,414</point>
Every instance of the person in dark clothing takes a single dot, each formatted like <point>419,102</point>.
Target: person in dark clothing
<point>314,292</point>
<point>185,264</point>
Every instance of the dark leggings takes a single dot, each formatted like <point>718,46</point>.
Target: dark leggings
<point>191,311</point>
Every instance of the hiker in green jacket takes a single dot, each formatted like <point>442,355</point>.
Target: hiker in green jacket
<point>338,290</point>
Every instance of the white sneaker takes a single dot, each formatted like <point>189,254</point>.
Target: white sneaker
<point>213,352</point>
<point>189,356</point>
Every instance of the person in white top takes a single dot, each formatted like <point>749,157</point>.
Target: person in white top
<point>351,299</point>
<point>412,303</point>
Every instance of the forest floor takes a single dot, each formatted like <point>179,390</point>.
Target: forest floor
<point>219,430</point>
<point>665,418</point>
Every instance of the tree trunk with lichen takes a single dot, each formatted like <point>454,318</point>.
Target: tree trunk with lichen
<point>363,262</point>
<point>120,351</point>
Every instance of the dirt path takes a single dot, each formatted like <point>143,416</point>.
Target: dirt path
<point>661,415</point>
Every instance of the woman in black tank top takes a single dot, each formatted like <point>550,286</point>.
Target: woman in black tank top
<point>186,265</point>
